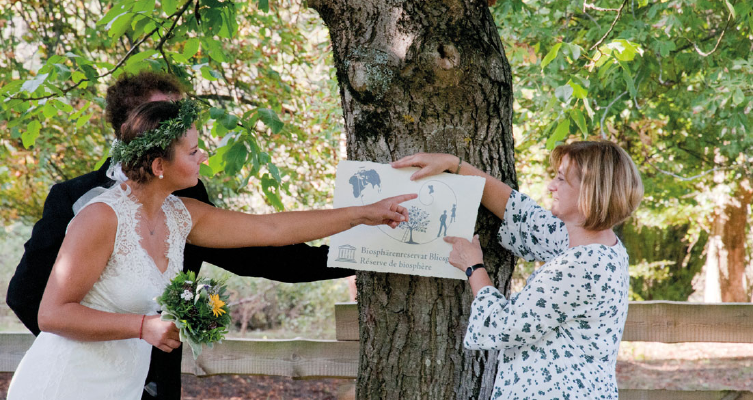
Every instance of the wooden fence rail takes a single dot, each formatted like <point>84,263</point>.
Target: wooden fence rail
<point>654,321</point>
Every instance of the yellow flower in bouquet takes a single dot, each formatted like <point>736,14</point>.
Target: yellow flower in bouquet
<point>216,304</point>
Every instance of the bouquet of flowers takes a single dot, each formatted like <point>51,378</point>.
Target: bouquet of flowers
<point>198,308</point>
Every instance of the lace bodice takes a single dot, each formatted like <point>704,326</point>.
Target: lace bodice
<point>131,280</point>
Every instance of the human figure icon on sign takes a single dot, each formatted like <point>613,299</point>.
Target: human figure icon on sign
<point>452,217</point>
<point>443,223</point>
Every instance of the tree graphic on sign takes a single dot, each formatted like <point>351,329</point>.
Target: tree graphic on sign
<point>418,220</point>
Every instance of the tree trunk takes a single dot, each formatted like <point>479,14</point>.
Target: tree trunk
<point>726,251</point>
<point>732,278</point>
<point>426,76</point>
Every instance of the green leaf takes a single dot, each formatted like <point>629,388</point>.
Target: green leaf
<point>578,91</point>
<point>564,93</point>
<point>624,50</point>
<point>563,128</point>
<point>216,113</point>
<point>210,74</point>
<point>589,111</point>
<point>64,73</point>
<point>206,171</point>
<point>214,49</point>
<point>191,47</point>
<point>217,161</point>
<point>170,6</point>
<point>267,184</point>
<point>143,6</point>
<point>118,9</point>
<point>738,97</point>
<point>580,120</point>
<point>31,134</point>
<point>83,120</point>
<point>33,84</point>
<point>229,121</point>
<point>628,78</point>
<point>78,113</point>
<point>49,110</point>
<point>118,26</point>
<point>264,5</point>
<point>270,119</point>
<point>731,9</point>
<point>551,55</point>
<point>235,158</point>
<point>65,108</point>
<point>135,64</point>
<point>12,87</point>
<point>177,57</point>
<point>138,22</point>
<point>275,172</point>
<point>574,50</point>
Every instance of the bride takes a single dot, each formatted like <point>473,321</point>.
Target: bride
<point>98,316</point>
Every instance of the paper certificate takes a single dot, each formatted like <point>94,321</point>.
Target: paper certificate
<point>447,205</point>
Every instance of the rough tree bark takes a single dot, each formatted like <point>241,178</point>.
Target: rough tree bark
<point>429,76</point>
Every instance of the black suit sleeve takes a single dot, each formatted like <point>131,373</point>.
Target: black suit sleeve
<point>30,279</point>
<point>294,263</point>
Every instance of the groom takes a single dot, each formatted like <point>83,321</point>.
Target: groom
<point>294,263</point>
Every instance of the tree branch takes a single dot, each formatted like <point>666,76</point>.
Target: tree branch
<point>619,13</point>
<point>593,7</point>
<point>177,16</point>
<point>719,40</point>
<point>682,178</point>
<point>604,116</point>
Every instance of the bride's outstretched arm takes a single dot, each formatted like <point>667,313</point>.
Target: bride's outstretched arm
<point>213,227</point>
<point>83,256</point>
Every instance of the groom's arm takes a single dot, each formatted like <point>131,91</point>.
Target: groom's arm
<point>293,263</point>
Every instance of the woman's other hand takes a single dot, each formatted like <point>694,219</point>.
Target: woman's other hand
<point>464,253</point>
<point>387,211</point>
<point>429,163</point>
<point>161,334</point>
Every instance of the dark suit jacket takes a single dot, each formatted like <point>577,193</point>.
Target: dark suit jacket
<point>295,263</point>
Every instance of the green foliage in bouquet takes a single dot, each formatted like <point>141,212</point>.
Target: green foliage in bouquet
<point>198,308</point>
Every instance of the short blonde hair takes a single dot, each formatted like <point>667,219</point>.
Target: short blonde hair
<point>610,185</point>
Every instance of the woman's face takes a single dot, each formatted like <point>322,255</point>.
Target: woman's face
<point>183,170</point>
<point>565,190</point>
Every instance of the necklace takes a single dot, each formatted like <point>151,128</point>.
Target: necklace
<point>149,228</point>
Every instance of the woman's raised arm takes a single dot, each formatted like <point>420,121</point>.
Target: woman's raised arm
<point>496,192</point>
<point>214,227</point>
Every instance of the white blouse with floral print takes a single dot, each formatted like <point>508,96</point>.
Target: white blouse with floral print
<point>559,336</point>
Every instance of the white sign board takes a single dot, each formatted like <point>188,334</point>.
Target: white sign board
<point>447,205</point>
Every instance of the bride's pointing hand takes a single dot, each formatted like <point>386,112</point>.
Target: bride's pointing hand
<point>387,211</point>
<point>429,164</point>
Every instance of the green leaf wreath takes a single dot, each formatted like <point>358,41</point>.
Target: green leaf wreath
<point>198,308</point>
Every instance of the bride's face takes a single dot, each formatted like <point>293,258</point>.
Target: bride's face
<point>183,170</point>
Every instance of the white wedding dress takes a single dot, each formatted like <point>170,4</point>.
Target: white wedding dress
<point>58,368</point>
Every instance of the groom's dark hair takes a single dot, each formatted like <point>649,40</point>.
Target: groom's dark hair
<point>130,91</point>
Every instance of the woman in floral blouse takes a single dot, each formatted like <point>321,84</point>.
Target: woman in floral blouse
<point>559,336</point>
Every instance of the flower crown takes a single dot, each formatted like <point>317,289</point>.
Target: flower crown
<point>160,137</point>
